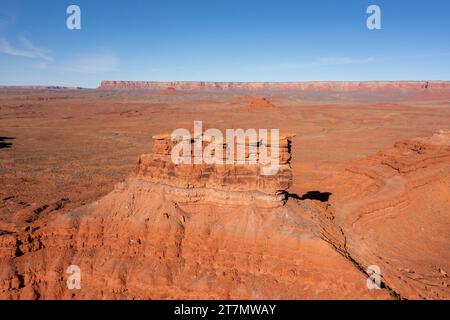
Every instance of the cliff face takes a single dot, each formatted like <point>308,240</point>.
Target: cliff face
<point>399,86</point>
<point>235,178</point>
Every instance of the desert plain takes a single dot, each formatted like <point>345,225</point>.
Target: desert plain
<point>369,184</point>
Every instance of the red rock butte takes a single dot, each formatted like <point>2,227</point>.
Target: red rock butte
<point>238,179</point>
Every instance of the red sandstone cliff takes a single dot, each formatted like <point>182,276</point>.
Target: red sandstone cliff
<point>371,86</point>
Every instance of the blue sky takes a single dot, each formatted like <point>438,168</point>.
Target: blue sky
<point>222,40</point>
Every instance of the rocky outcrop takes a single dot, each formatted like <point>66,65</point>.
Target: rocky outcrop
<point>236,179</point>
<point>397,216</point>
<point>171,232</point>
<point>374,86</point>
<point>259,102</point>
<point>412,155</point>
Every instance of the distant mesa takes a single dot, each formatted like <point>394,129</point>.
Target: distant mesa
<point>52,88</point>
<point>318,86</point>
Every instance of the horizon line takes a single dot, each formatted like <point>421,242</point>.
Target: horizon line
<point>56,86</point>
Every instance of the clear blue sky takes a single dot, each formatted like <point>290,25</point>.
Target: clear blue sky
<point>222,40</point>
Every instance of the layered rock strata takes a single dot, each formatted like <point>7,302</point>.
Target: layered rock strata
<point>395,214</point>
<point>234,178</point>
<point>370,86</point>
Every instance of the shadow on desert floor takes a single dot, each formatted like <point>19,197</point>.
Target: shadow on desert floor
<point>4,144</point>
<point>312,195</point>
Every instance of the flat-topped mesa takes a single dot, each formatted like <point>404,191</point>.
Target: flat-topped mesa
<point>244,176</point>
<point>317,86</point>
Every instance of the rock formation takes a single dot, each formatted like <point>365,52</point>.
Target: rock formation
<point>259,102</point>
<point>397,217</point>
<point>238,179</point>
<point>195,231</point>
<point>169,231</point>
<point>392,87</point>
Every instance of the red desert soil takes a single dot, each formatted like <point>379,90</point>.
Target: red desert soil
<point>366,181</point>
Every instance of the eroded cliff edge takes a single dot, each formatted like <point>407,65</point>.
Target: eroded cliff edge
<point>325,86</point>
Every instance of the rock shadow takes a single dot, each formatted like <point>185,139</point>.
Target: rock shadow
<point>312,195</point>
<point>4,144</point>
